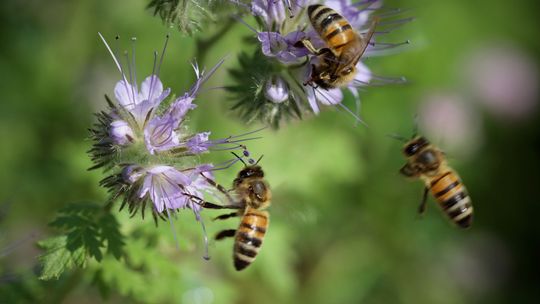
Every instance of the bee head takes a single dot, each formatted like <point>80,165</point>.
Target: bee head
<point>415,145</point>
<point>251,171</point>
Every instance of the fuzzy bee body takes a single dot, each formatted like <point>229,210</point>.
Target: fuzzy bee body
<point>427,162</point>
<point>249,237</point>
<point>253,197</point>
<point>344,47</point>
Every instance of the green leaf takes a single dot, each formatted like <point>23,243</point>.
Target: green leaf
<point>58,258</point>
<point>110,233</point>
<point>87,230</point>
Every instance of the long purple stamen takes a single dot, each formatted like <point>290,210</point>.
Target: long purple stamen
<point>133,40</point>
<point>115,59</point>
<point>130,78</point>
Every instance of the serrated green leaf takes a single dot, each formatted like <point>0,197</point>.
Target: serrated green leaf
<point>57,258</point>
<point>110,233</point>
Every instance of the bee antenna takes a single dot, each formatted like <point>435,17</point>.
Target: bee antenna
<point>258,160</point>
<point>415,127</point>
<point>397,137</point>
<point>239,158</point>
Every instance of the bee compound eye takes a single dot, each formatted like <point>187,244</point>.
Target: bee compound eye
<point>411,149</point>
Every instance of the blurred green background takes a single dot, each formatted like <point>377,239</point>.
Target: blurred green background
<point>344,224</point>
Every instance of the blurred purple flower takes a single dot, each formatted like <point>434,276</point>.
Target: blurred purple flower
<point>505,80</point>
<point>449,120</point>
<point>272,12</point>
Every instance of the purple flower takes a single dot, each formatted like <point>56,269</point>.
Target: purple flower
<point>149,152</point>
<point>181,106</point>
<point>169,188</point>
<point>505,80</point>
<point>132,173</point>
<point>121,133</point>
<point>160,134</point>
<point>272,12</point>
<point>199,143</point>
<point>165,187</point>
<point>140,103</point>
<point>283,55</point>
<point>356,17</point>
<point>282,48</point>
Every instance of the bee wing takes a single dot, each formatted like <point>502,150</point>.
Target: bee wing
<point>361,48</point>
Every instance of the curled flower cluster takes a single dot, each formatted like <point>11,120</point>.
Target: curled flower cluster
<point>143,140</point>
<point>272,83</point>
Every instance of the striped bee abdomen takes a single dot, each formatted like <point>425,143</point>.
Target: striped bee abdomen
<point>331,26</point>
<point>453,198</point>
<point>249,237</point>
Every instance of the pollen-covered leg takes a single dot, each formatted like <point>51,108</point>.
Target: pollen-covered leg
<point>225,234</point>
<point>309,46</point>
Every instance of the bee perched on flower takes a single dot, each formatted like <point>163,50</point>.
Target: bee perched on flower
<point>308,52</point>
<point>143,141</point>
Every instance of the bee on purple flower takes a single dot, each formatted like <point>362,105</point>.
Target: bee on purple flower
<point>143,141</point>
<point>305,49</point>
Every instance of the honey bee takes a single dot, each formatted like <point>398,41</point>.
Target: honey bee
<point>253,197</point>
<point>427,162</point>
<point>344,47</point>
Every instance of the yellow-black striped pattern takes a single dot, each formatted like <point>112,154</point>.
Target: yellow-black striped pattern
<point>427,162</point>
<point>249,237</point>
<point>332,27</point>
<point>452,197</point>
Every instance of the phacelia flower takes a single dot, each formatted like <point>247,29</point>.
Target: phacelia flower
<point>148,149</point>
<point>280,53</point>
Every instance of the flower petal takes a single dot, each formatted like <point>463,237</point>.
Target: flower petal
<point>124,93</point>
<point>160,135</point>
<point>151,88</point>
<point>199,143</point>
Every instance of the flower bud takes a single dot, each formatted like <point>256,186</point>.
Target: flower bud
<point>121,132</point>
<point>276,90</point>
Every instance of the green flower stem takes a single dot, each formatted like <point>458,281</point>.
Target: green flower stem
<point>204,45</point>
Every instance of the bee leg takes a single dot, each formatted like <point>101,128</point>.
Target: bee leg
<point>199,201</point>
<point>422,207</point>
<point>225,234</point>
<point>226,216</point>
<point>308,45</point>
<point>209,205</point>
<point>219,187</point>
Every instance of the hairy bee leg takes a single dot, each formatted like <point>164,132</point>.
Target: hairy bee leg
<point>209,205</point>
<point>219,187</point>
<point>225,234</point>
<point>226,216</point>
<point>199,201</point>
<point>422,207</point>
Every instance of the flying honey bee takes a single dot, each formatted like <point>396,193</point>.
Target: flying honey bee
<point>427,162</point>
<point>344,47</point>
<point>253,196</point>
